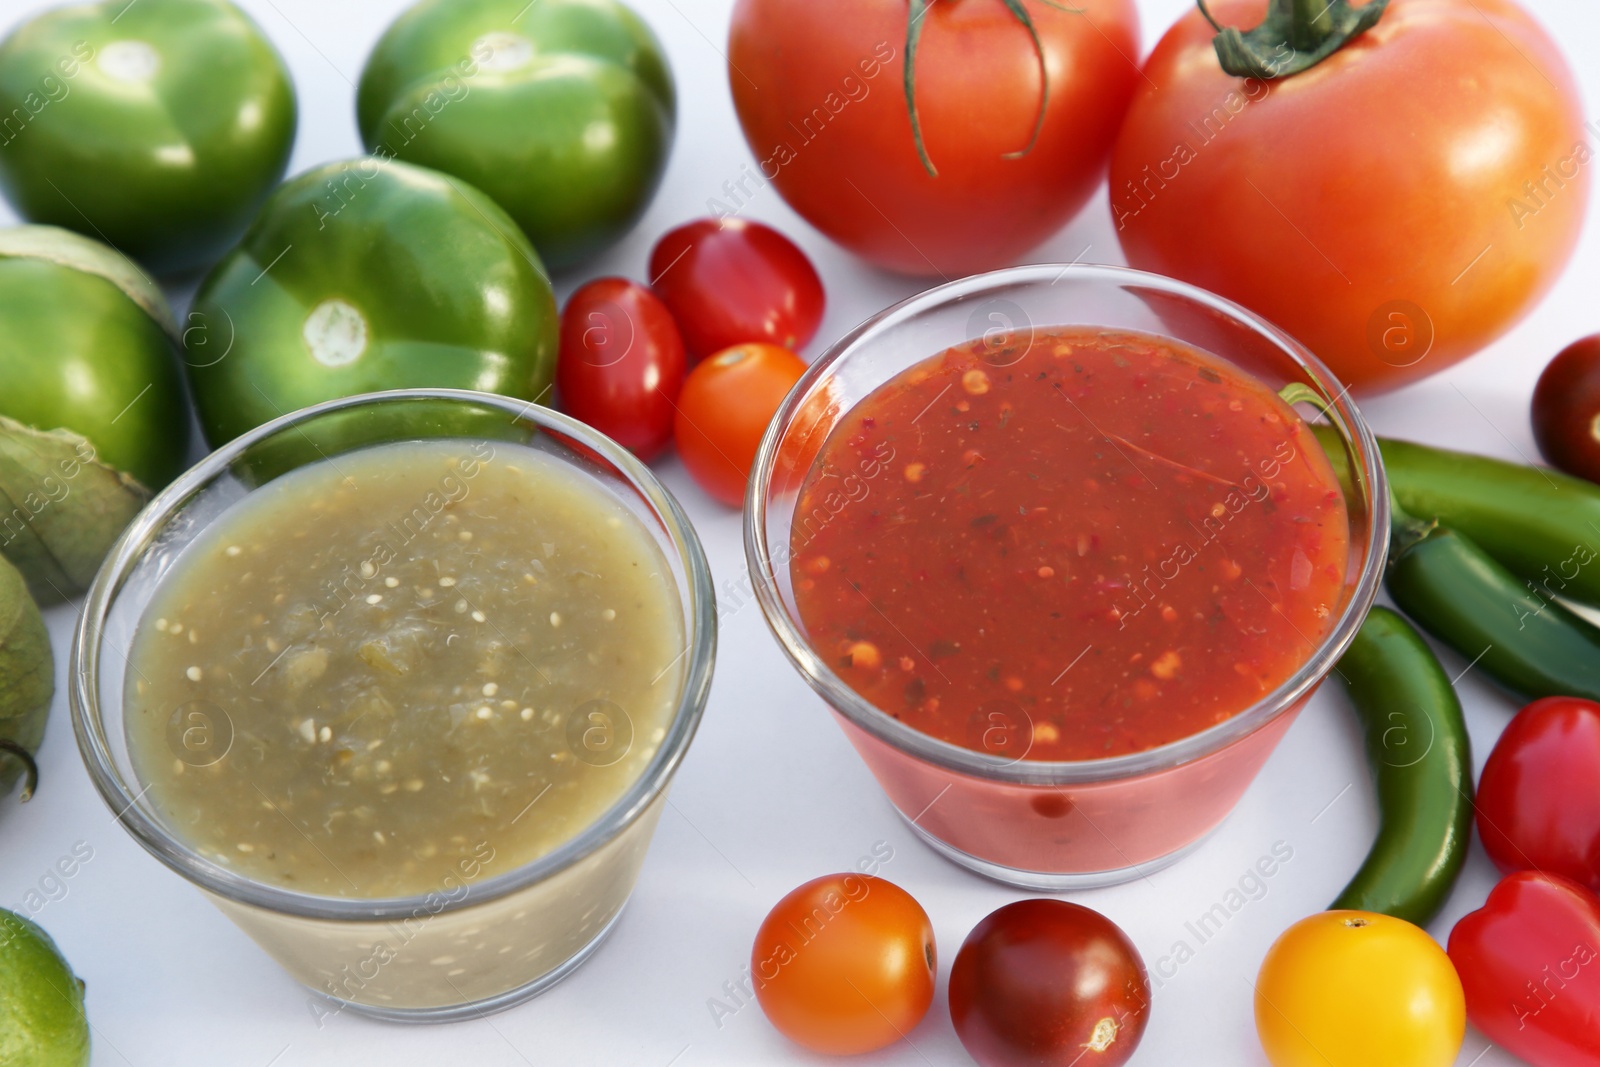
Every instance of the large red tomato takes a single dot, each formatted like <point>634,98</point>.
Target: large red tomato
<point>819,90</point>
<point>1396,207</point>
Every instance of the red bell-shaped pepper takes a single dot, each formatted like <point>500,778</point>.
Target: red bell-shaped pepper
<point>1529,961</point>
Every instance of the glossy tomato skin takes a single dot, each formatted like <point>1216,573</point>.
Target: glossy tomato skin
<point>561,111</point>
<point>1539,795</point>
<point>1566,409</point>
<point>734,281</point>
<point>1046,982</point>
<point>621,364</point>
<point>1359,205</point>
<point>845,964</point>
<point>395,277</point>
<point>1358,989</point>
<point>1529,960</point>
<point>725,406</point>
<point>817,87</point>
<point>160,126</point>
<point>77,350</point>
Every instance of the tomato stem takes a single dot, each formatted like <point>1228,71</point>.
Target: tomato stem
<point>1296,35</point>
<point>917,11</point>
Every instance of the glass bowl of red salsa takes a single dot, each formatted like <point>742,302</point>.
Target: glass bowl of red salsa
<point>1060,550</point>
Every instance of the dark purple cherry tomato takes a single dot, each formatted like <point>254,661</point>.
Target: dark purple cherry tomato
<point>1045,983</point>
<point>622,363</point>
<point>734,282</point>
<point>1566,409</point>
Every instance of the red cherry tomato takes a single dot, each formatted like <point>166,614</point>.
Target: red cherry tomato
<point>733,281</point>
<point>622,363</point>
<point>1566,409</point>
<point>726,404</point>
<point>1539,796</point>
<point>845,964</point>
<point>1529,961</point>
<point>1048,982</point>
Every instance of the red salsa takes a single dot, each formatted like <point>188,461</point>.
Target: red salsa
<point>1083,546</point>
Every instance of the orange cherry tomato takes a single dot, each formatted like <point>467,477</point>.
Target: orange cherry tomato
<point>726,404</point>
<point>845,964</point>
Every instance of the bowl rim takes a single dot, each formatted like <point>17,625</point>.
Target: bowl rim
<point>697,596</point>
<point>910,741</point>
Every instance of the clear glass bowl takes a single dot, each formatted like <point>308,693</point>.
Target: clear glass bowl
<point>1037,824</point>
<point>509,936</point>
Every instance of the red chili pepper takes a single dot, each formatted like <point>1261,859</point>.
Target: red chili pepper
<point>1539,797</point>
<point>1529,961</point>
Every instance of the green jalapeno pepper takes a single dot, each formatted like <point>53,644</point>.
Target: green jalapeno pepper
<point>1421,761</point>
<point>1541,524</point>
<point>1463,596</point>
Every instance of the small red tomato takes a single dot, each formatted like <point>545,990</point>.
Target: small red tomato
<point>845,964</point>
<point>622,363</point>
<point>726,404</point>
<point>1566,409</point>
<point>1539,795</point>
<point>732,281</point>
<point>1048,983</point>
<point>1529,961</point>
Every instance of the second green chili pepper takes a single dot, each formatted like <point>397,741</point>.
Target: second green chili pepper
<point>1421,762</point>
<point>1460,594</point>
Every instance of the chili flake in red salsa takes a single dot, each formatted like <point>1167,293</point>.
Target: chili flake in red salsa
<point>1086,545</point>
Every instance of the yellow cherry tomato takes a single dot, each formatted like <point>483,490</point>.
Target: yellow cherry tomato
<point>1358,989</point>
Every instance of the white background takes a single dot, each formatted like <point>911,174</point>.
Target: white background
<point>770,794</point>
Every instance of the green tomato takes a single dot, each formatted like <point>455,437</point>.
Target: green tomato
<point>87,344</point>
<point>157,126</point>
<point>366,275</point>
<point>92,413</point>
<point>560,110</point>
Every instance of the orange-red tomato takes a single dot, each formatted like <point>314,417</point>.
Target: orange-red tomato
<point>819,92</point>
<point>1396,207</point>
<point>845,964</point>
<point>724,408</point>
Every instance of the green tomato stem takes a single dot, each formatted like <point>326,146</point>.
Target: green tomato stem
<point>1296,35</point>
<point>917,12</point>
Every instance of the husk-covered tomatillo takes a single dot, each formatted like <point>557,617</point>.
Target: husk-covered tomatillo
<point>27,682</point>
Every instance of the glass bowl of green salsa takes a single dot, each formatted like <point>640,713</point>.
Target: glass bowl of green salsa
<point>399,682</point>
<point>1065,549</point>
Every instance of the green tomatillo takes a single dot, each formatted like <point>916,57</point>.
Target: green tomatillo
<point>92,413</point>
<point>42,1018</point>
<point>157,126</point>
<point>560,110</point>
<point>27,683</point>
<point>366,275</point>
